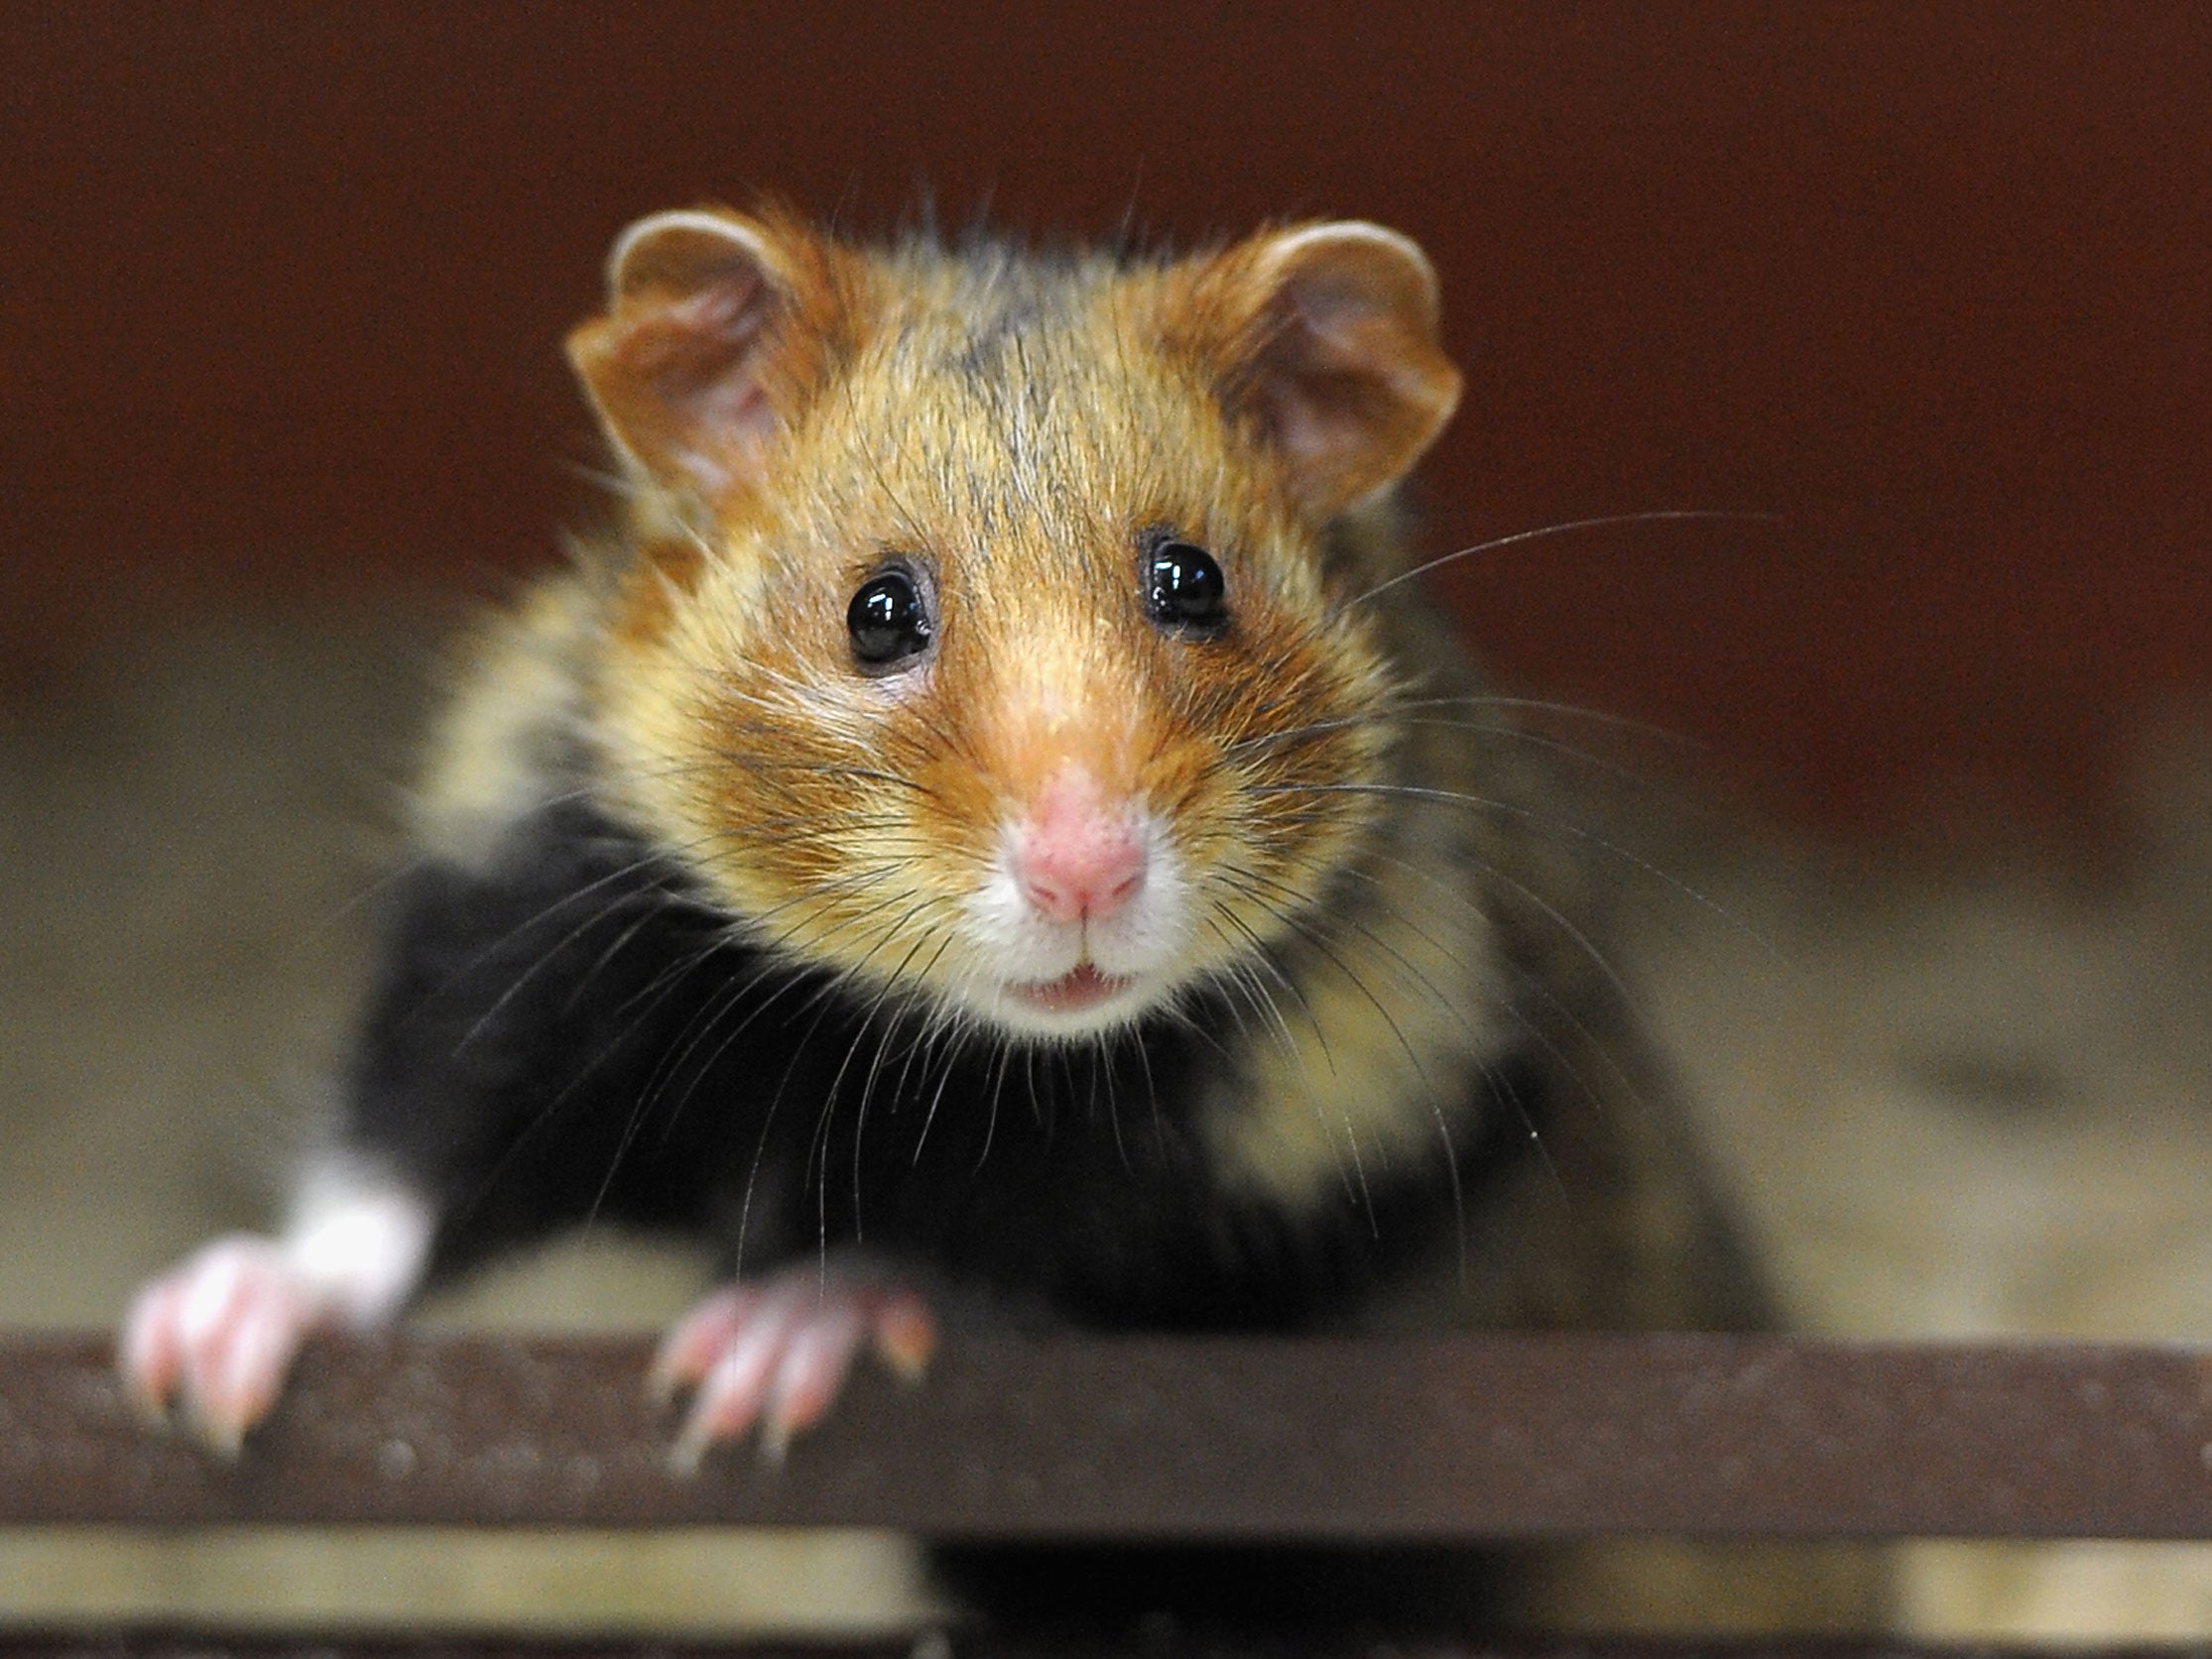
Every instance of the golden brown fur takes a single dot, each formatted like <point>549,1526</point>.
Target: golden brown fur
<point>742,733</point>
<point>1381,866</point>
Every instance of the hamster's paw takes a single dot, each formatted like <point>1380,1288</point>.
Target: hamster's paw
<point>217,1336</point>
<point>773,1352</point>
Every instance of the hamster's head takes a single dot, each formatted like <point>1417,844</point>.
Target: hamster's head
<point>993,640</point>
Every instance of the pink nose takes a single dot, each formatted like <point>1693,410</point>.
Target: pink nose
<point>1073,856</point>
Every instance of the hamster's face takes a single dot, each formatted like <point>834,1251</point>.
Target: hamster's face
<point>1022,686</point>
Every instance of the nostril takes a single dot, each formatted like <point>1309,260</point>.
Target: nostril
<point>1121,891</point>
<point>1051,898</point>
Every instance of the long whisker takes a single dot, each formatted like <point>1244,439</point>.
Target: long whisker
<point>1606,521</point>
<point>1491,803</point>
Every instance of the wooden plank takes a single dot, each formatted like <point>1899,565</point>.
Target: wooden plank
<point>1430,1440</point>
<point>1156,1644</point>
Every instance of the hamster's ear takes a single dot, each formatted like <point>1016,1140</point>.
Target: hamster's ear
<point>713,330</point>
<point>1331,349</point>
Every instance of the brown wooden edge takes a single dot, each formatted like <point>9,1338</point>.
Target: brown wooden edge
<point>163,1644</point>
<point>1430,1440</point>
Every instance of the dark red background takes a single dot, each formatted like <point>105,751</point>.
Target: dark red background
<point>281,290</point>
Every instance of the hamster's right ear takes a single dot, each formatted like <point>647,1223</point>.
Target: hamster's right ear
<point>716,327</point>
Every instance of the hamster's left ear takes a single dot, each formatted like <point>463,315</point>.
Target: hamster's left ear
<point>1327,336</point>
<point>716,328</point>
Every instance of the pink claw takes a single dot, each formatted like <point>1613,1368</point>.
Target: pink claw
<point>688,1352</point>
<point>217,1336</point>
<point>151,1350</point>
<point>775,1352</point>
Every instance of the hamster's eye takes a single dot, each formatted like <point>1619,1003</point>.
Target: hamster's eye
<point>887,619</point>
<point>1184,590</point>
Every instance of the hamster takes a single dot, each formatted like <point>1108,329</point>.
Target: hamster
<point>993,824</point>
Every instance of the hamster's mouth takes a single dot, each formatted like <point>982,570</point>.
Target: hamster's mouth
<point>1082,987</point>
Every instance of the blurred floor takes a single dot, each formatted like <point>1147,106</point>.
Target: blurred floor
<point>1972,1098</point>
<point>1951,1104</point>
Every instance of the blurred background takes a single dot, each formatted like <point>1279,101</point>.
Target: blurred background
<point>282,292</point>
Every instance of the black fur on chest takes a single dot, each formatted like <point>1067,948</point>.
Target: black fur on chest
<point>571,1037</point>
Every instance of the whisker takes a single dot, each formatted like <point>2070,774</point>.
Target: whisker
<point>1492,803</point>
<point>1610,520</point>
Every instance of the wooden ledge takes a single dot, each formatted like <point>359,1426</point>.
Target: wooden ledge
<point>1356,1441</point>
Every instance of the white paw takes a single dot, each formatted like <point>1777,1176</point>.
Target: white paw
<point>774,1353</point>
<point>216,1335</point>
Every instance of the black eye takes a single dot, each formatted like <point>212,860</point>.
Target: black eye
<point>887,619</point>
<point>1184,590</point>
